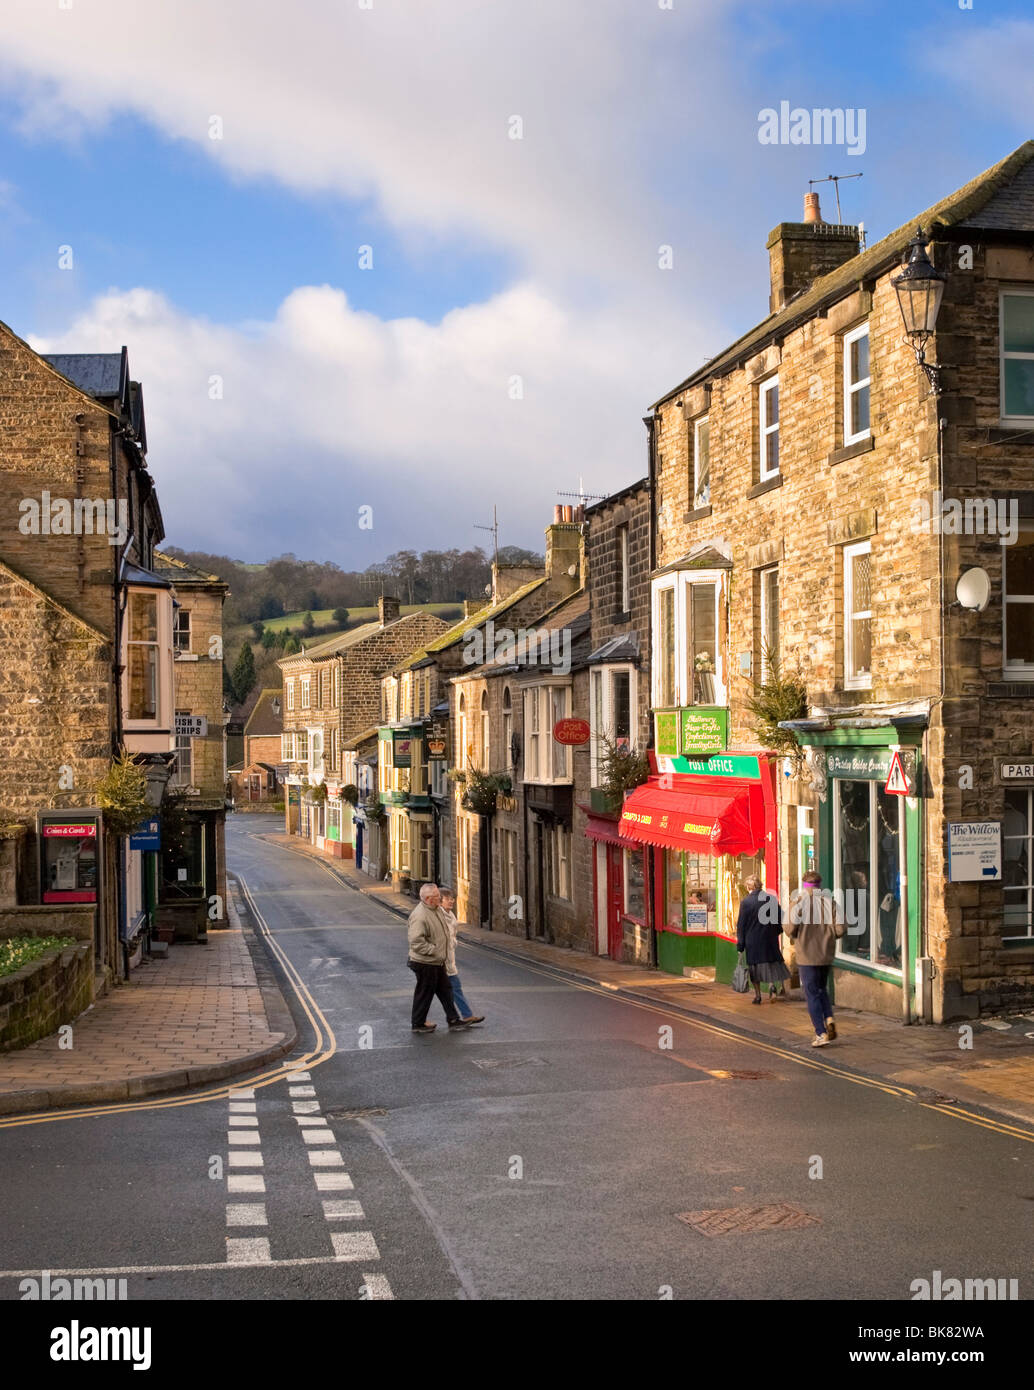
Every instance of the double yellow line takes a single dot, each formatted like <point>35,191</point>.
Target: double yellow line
<point>324,1046</point>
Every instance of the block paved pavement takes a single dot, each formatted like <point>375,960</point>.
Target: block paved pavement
<point>201,1014</point>
<point>996,1074</point>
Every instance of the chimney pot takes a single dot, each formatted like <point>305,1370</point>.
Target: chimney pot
<point>812,212</point>
<point>558,514</point>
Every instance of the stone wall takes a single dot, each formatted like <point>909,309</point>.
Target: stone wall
<point>45,994</point>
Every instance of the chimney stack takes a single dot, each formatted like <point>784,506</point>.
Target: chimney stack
<point>388,609</point>
<point>801,252</point>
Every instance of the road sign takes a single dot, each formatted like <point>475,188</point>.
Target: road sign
<point>147,836</point>
<point>897,782</point>
<point>975,852</point>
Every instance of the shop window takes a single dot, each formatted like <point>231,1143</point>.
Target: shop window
<point>857,383</point>
<point>1018,591</point>
<point>612,717</point>
<point>690,896</point>
<point>183,767</point>
<point>664,658</point>
<point>1017,362</point>
<point>508,865</point>
<point>635,885</point>
<point>1018,864</point>
<point>858,616</point>
<point>867,872</point>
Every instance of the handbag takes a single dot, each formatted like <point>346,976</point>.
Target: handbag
<point>741,976</point>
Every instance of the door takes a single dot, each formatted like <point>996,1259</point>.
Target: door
<point>600,899</point>
<point>615,901</point>
<point>358,843</point>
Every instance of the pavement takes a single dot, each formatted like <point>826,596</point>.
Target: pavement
<point>934,1062</point>
<point>202,1014</point>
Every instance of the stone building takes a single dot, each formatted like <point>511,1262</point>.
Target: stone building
<point>257,781</point>
<point>199,772</point>
<point>331,694</point>
<point>87,632</point>
<point>618,554</point>
<point>792,474</point>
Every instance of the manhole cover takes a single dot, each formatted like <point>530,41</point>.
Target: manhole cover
<point>506,1063</point>
<point>353,1114</point>
<point>745,1075</point>
<point>738,1221</point>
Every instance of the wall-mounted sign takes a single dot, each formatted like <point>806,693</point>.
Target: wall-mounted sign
<point>69,831</point>
<point>437,740</point>
<point>191,725</point>
<point>704,730</point>
<point>147,836</point>
<point>1017,772</point>
<point>975,852</point>
<point>696,919</point>
<point>571,731</point>
<point>867,764</point>
<point>666,732</point>
<point>721,765</point>
<point>897,784</point>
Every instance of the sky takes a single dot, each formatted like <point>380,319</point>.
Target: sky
<point>383,265</point>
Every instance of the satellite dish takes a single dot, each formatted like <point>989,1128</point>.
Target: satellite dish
<point>973,590</point>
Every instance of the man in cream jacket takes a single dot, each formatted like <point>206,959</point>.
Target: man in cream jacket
<point>428,952</point>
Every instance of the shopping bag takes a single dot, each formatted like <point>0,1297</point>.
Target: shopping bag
<point>741,976</point>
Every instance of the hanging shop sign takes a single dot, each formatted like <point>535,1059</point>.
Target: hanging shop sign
<point>401,748</point>
<point>704,731</point>
<point>147,836</point>
<point>437,740</point>
<point>191,725</point>
<point>571,731</point>
<point>975,852</point>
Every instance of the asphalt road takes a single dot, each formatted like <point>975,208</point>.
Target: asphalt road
<point>547,1154</point>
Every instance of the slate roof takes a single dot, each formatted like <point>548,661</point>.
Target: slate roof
<point>180,573</point>
<point>1001,197</point>
<point>624,647</point>
<point>262,720</point>
<point>99,374</point>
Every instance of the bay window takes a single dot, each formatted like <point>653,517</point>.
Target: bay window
<point>688,663</point>
<point>546,760</point>
<point>611,715</point>
<point>143,656</point>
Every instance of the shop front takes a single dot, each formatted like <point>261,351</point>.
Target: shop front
<point>868,852</point>
<point>707,824</point>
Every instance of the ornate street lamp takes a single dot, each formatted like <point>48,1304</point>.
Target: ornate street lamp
<point>920,289</point>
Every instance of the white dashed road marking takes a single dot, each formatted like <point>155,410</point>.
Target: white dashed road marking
<point>376,1286</point>
<point>244,1160</point>
<point>247,1250</point>
<point>246,1214</point>
<point>333,1182</point>
<point>324,1158</point>
<point>354,1245</point>
<point>341,1210</point>
<point>245,1182</point>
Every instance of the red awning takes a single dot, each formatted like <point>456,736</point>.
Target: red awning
<point>725,820</point>
<point>599,828</point>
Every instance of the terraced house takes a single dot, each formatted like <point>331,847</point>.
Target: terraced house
<point>332,694</point>
<point>837,496</point>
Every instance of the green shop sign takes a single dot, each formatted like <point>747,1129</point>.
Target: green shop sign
<point>666,732</point>
<point>721,765</point>
<point>704,730</point>
<point>861,764</point>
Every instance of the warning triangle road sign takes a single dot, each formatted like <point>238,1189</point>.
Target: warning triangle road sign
<point>897,782</point>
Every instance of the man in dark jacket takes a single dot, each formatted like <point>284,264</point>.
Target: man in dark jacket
<point>757,932</point>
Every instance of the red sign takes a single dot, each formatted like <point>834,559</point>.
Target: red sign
<point>571,731</point>
<point>71,831</point>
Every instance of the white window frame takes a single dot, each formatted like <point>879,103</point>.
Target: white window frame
<point>508,727</point>
<point>627,856</point>
<point>289,692</point>
<point>624,573</point>
<point>306,691</point>
<point>764,616</point>
<point>1013,670</point>
<point>851,388</point>
<point>287,747</point>
<point>1010,356</point>
<point>540,750</point>
<point>183,767</point>
<point>681,582</point>
<point>301,749</point>
<point>766,429</point>
<point>463,762</point>
<point>698,499</point>
<point>853,681</point>
<point>485,719</point>
<point>558,863</point>
<point>178,632</point>
<point>605,674</point>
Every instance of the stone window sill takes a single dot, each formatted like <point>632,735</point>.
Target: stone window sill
<point>1019,951</point>
<point>767,486</point>
<point>1010,690</point>
<point>851,451</point>
<point>697,514</point>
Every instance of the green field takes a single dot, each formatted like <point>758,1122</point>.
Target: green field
<point>324,617</point>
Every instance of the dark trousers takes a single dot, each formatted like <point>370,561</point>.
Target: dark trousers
<point>431,980</point>
<point>814,979</point>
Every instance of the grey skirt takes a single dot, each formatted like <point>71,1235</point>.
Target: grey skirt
<point>769,972</point>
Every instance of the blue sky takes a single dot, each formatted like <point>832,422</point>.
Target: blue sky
<point>494,260</point>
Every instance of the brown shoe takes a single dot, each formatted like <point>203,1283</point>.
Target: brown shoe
<point>425,1027</point>
<point>831,1029</point>
<point>473,1019</point>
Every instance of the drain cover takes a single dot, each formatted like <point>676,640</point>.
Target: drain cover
<point>737,1221</point>
<point>506,1063</point>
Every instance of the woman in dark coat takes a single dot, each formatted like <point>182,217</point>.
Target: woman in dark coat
<point>757,932</point>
